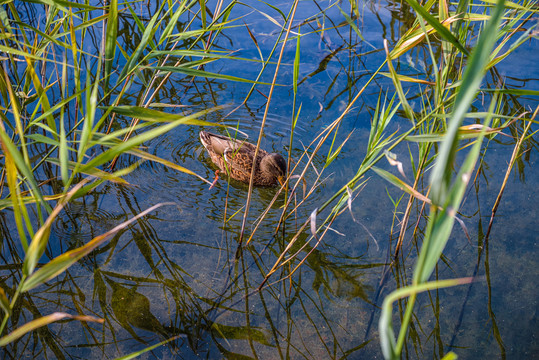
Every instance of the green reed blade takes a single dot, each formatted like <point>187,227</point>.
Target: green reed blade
<point>444,195</point>
<point>41,237</point>
<point>201,54</point>
<point>157,116</point>
<point>173,22</point>
<point>450,356</point>
<point>295,75</point>
<point>149,31</point>
<point>13,185</point>
<point>205,74</point>
<point>351,23</point>
<point>62,148</point>
<point>9,146</point>
<point>87,124</point>
<point>95,172</point>
<point>110,39</point>
<point>119,149</point>
<point>389,177</point>
<point>398,86</point>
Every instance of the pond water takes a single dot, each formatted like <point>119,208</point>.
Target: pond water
<point>179,271</point>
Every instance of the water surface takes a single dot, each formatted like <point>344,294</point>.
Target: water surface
<point>180,271</point>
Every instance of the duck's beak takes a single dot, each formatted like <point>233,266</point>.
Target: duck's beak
<point>281,180</point>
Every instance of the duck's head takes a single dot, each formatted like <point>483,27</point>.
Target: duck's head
<point>273,167</point>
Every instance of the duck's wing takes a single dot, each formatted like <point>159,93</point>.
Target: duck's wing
<point>239,161</point>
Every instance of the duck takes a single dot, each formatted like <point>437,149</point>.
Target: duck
<point>236,158</point>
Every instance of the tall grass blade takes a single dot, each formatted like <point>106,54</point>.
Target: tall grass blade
<point>110,40</point>
<point>351,23</point>
<point>151,28</point>
<point>401,184</point>
<point>11,177</point>
<point>441,175</point>
<point>206,74</point>
<point>295,75</point>
<point>398,85</point>
<point>120,148</point>
<point>91,104</point>
<point>62,146</point>
<point>157,116</point>
<point>173,22</point>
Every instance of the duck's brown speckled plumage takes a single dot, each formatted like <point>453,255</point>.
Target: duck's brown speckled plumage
<point>236,158</point>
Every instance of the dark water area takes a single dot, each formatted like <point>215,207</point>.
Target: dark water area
<point>178,271</point>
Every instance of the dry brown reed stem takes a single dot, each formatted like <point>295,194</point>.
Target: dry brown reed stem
<point>261,132</point>
<point>216,13</point>
<point>278,264</point>
<point>404,221</point>
<point>317,183</point>
<point>508,171</point>
<point>124,87</point>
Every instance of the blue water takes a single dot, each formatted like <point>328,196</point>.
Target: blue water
<point>177,272</point>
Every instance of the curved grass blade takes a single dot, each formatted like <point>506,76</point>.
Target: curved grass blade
<point>443,194</point>
<point>398,86</point>
<point>206,74</point>
<point>60,263</point>
<point>351,23</point>
<point>43,321</point>
<point>201,54</point>
<point>9,147</point>
<point>150,29</point>
<point>95,172</point>
<point>120,148</point>
<point>400,184</point>
<point>62,146</point>
<point>385,324</point>
<point>173,22</point>
<point>41,237</point>
<point>170,164</point>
